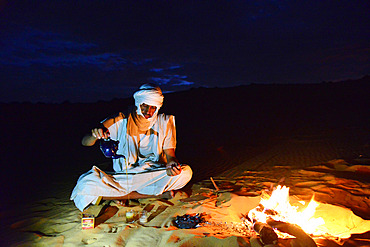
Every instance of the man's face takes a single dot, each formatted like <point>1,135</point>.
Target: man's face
<point>147,110</point>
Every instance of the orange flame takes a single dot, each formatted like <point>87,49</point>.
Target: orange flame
<point>278,207</point>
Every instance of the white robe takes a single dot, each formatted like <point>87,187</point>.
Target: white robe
<point>144,158</point>
<point>144,148</point>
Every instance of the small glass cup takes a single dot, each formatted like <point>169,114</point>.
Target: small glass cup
<point>143,217</point>
<point>130,216</point>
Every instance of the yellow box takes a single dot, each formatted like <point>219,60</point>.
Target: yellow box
<point>88,221</point>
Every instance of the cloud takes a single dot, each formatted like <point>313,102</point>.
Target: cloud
<point>171,80</point>
<point>166,68</point>
<point>49,66</point>
<point>35,47</point>
<point>183,83</point>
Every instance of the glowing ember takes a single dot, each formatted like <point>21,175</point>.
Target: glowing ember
<point>278,207</point>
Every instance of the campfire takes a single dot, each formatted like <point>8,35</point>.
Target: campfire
<point>278,207</point>
<point>278,217</point>
<point>273,217</point>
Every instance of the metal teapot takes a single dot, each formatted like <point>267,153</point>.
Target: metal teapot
<point>109,148</point>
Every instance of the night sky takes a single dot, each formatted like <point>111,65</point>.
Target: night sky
<point>84,51</point>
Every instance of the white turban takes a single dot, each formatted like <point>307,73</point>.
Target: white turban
<point>150,95</point>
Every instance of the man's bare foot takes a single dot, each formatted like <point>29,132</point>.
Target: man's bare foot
<point>172,193</point>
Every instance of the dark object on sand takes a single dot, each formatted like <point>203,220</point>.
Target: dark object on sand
<point>109,148</point>
<point>302,239</point>
<point>267,234</point>
<point>188,221</point>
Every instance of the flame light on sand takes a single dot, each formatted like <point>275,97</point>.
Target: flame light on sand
<point>278,207</point>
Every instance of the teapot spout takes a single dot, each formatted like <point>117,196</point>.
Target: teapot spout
<point>117,156</point>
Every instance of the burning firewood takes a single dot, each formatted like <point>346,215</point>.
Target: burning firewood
<point>267,234</point>
<point>302,239</point>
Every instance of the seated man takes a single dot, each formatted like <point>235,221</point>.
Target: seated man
<point>149,168</point>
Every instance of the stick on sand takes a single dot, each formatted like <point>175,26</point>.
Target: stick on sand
<point>214,184</point>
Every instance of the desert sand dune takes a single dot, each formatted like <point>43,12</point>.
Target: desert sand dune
<point>313,138</point>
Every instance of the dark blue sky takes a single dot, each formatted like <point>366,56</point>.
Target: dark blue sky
<point>84,51</point>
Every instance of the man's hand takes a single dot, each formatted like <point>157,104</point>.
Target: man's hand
<point>99,133</point>
<point>173,168</point>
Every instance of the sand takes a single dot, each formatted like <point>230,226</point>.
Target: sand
<point>56,222</point>
<point>317,146</point>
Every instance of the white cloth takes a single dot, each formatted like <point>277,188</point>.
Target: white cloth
<point>144,149</point>
<point>144,159</point>
<point>150,95</point>
<point>95,183</point>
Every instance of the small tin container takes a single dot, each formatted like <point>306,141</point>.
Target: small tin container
<point>87,221</point>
